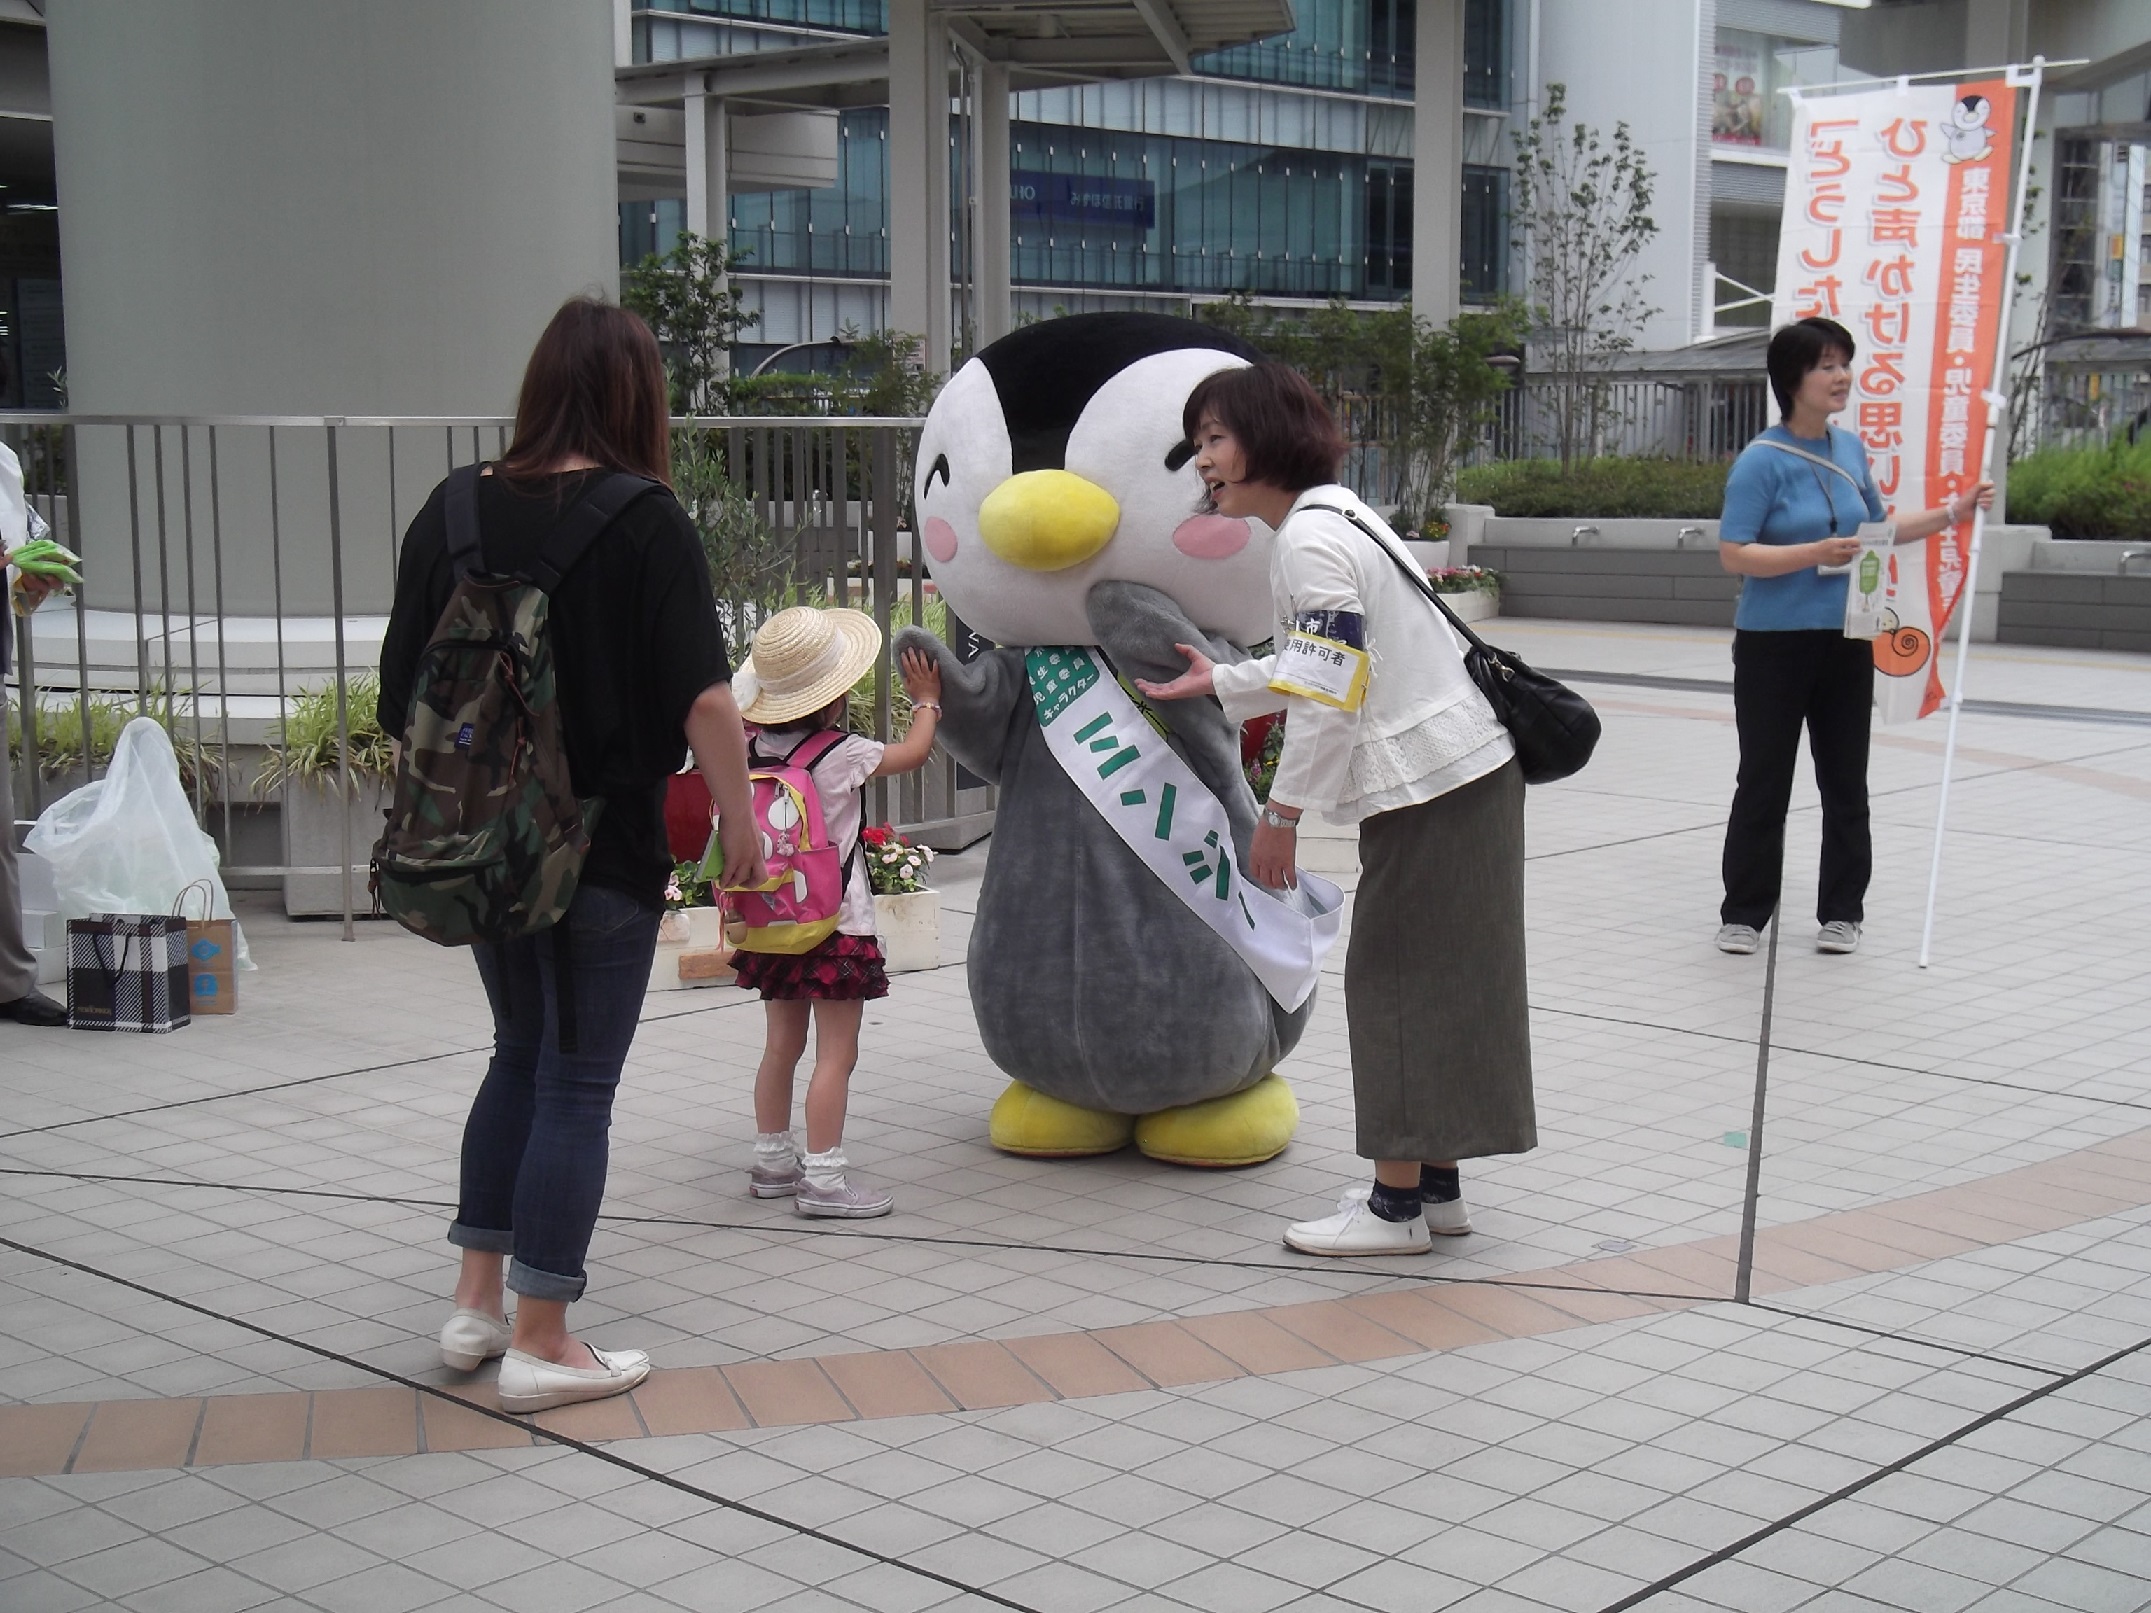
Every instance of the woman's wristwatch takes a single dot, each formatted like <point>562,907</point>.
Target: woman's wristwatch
<point>1276,819</point>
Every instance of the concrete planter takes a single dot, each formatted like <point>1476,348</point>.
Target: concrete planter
<point>313,845</point>
<point>695,934</point>
<point>1474,606</point>
<point>1431,556</point>
<point>910,929</point>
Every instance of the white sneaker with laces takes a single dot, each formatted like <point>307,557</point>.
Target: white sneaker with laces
<point>1738,938</point>
<point>1839,935</point>
<point>1356,1230</point>
<point>1445,1218</point>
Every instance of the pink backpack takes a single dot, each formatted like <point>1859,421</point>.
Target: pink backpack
<point>797,908</point>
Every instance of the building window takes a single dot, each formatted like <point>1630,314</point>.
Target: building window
<point>1484,272</point>
<point>1389,229</point>
<point>1486,53</point>
<point>1746,106</point>
<point>2101,270</point>
<point>1360,46</point>
<point>1744,246</point>
<point>1098,210</point>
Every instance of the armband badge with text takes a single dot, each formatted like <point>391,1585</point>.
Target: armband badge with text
<point>1324,659</point>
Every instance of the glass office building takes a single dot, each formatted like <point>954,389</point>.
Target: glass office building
<point>1282,169</point>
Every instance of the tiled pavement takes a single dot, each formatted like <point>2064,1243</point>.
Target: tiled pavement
<point>1104,1383</point>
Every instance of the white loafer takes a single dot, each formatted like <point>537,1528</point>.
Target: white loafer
<point>470,1338</point>
<point>1356,1230</point>
<point>530,1384</point>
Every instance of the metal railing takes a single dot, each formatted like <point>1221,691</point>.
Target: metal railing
<point>240,571</point>
<point>2081,407</point>
<point>1665,419</point>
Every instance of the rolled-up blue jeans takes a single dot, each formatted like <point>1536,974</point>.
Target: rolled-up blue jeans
<point>565,1003</point>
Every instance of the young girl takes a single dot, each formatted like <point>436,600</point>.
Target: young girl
<point>797,683</point>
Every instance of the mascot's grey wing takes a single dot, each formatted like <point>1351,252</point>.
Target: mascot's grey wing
<point>1141,630</point>
<point>978,700</point>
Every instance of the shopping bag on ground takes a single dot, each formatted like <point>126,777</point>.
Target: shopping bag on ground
<point>127,972</point>
<point>212,979</point>
<point>128,842</point>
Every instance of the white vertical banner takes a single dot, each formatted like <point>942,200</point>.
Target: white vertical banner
<point>1896,212</point>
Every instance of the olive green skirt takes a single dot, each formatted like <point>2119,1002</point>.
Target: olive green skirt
<point>1435,994</point>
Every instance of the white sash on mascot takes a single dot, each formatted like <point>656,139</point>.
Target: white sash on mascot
<point>1170,819</point>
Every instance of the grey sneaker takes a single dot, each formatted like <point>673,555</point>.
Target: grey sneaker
<point>1740,938</point>
<point>841,1200</point>
<point>1839,935</point>
<point>775,1181</point>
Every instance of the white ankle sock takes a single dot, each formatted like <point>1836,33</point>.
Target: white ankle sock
<point>825,1170</point>
<point>775,1149</point>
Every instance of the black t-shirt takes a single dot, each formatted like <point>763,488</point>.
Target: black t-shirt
<point>635,640</point>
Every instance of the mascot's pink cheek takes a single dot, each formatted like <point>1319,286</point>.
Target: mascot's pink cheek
<point>940,539</point>
<point>1201,537</point>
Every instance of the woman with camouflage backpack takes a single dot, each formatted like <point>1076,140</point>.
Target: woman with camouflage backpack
<point>640,675</point>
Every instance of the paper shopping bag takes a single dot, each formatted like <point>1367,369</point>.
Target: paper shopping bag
<point>127,972</point>
<point>212,975</point>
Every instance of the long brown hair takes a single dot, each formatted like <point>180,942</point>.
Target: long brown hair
<point>595,386</point>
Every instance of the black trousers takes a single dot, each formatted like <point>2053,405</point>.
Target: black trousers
<point>1781,680</point>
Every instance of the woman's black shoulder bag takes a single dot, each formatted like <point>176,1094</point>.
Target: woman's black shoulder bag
<point>1554,727</point>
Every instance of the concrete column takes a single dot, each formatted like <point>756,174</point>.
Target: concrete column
<point>317,210</point>
<point>1437,161</point>
<point>995,300</point>
<point>709,206</point>
<point>1994,32</point>
<point>709,159</point>
<point>919,178</point>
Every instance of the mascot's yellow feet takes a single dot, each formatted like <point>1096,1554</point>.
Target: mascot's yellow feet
<point>1243,1129</point>
<point>1030,1123</point>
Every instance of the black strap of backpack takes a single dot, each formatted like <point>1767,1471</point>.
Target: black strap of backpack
<point>564,545</point>
<point>1412,573</point>
<point>461,510</point>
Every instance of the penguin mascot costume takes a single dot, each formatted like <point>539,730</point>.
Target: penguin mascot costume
<point>1125,974</point>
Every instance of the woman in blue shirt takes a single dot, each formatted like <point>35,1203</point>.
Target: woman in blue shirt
<point>1794,503</point>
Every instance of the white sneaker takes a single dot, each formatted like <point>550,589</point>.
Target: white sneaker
<point>528,1383</point>
<point>1356,1230</point>
<point>1444,1217</point>
<point>1738,938</point>
<point>471,1338</point>
<point>1839,935</point>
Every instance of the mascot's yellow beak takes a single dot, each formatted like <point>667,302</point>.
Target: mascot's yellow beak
<point>1047,520</point>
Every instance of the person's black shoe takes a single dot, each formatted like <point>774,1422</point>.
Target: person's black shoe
<point>34,1008</point>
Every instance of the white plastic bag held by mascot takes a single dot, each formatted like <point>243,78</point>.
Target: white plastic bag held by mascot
<point>1124,971</point>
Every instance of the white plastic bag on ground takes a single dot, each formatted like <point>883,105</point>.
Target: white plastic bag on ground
<point>128,842</point>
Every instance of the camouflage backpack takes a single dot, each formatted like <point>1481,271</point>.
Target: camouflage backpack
<point>486,839</point>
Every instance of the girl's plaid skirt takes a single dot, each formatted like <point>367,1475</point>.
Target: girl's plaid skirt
<point>843,969</point>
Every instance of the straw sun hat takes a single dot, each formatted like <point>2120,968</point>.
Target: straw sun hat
<point>804,658</point>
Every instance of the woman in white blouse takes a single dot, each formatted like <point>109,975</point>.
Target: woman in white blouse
<point>1383,729</point>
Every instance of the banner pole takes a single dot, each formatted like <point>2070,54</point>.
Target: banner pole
<point>1997,404</point>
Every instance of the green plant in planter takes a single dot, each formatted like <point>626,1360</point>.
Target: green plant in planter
<point>59,736</point>
<point>306,752</point>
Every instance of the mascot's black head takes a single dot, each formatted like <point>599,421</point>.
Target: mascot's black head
<point>1047,373</point>
<point>1055,460</point>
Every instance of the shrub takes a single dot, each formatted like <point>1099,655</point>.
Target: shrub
<point>2085,492</point>
<point>305,752</point>
<point>1608,488</point>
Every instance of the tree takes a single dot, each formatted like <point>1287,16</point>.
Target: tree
<point>1582,217</point>
<point>686,297</point>
<point>1414,390</point>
